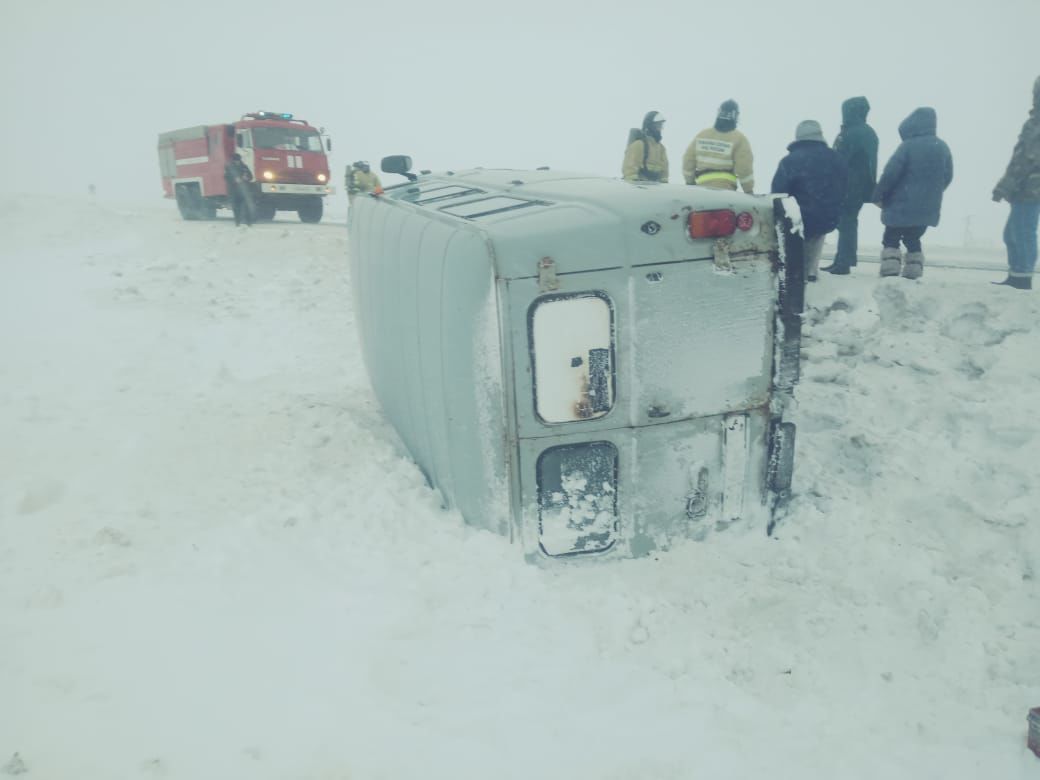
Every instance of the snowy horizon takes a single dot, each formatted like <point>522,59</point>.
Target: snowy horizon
<point>461,85</point>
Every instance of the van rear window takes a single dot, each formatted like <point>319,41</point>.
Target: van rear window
<point>572,355</point>
<point>577,498</point>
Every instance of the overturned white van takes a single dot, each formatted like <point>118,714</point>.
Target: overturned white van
<point>590,366</point>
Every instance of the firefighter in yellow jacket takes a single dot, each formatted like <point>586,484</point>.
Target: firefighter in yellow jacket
<point>360,178</point>
<point>720,156</point>
<point>645,157</point>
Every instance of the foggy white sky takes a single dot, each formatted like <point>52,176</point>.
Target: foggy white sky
<point>87,86</point>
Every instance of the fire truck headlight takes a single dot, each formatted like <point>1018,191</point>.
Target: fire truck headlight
<point>269,175</point>
<point>322,177</point>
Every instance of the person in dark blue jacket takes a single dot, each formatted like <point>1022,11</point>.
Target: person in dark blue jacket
<point>815,176</point>
<point>910,192</point>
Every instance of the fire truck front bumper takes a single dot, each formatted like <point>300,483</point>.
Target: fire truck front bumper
<point>297,189</point>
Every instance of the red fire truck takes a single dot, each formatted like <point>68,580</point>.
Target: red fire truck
<point>286,156</point>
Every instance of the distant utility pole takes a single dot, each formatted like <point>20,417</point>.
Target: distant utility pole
<point>969,238</point>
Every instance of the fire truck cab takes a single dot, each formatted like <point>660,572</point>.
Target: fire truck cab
<point>285,155</point>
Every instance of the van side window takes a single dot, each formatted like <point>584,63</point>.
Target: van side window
<point>488,206</point>
<point>571,340</point>
<point>242,140</point>
<point>443,193</point>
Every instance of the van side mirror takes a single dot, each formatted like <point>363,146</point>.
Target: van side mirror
<point>400,164</point>
<point>328,144</point>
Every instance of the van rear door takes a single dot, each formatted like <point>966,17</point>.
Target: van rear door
<point>640,394</point>
<point>643,345</point>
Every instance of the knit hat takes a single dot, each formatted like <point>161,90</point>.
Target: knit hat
<point>728,110</point>
<point>809,130</point>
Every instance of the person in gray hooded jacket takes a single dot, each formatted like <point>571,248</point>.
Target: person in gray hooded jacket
<point>910,192</point>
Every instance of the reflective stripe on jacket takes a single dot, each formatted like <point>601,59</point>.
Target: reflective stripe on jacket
<point>656,161</point>
<point>725,153</point>
<point>705,179</point>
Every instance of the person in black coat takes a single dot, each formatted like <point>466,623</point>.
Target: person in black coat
<point>910,192</point>
<point>815,176</point>
<point>237,176</point>
<point>857,143</point>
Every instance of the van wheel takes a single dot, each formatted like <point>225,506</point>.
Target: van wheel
<point>311,210</point>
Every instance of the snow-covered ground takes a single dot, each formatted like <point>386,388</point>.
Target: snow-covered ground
<point>217,562</point>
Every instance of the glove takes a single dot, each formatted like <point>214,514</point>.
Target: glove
<point>998,195</point>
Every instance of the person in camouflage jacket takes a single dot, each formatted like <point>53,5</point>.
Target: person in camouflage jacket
<point>1020,187</point>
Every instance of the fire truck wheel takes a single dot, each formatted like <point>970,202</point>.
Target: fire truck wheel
<point>265,211</point>
<point>187,201</point>
<point>311,210</point>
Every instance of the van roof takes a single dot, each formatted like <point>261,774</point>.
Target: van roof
<point>583,221</point>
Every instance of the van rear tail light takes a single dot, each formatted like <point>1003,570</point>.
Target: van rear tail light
<point>712,224</point>
<point>745,220</point>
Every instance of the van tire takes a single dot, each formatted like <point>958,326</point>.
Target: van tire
<point>311,210</point>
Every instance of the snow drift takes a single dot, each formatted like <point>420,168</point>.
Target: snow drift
<point>216,562</point>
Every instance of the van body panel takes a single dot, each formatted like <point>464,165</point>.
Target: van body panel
<point>703,339</point>
<point>567,365</point>
<point>440,281</point>
<point>475,411</point>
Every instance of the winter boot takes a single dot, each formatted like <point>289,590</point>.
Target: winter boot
<point>837,267</point>
<point>914,265</point>
<point>891,261</point>
<point>1018,282</point>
